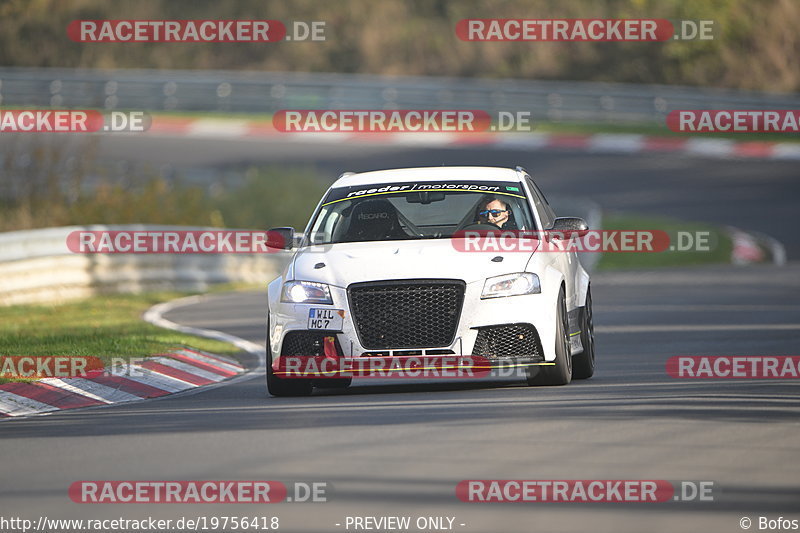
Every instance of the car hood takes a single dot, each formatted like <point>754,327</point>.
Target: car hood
<point>348,263</point>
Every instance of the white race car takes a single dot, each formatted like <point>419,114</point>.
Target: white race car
<point>382,270</point>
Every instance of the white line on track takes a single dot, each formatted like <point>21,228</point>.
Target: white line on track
<point>636,308</point>
<point>643,328</point>
<point>154,316</point>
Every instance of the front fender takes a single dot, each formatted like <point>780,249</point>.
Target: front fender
<point>273,298</point>
<point>552,280</point>
<point>583,286</point>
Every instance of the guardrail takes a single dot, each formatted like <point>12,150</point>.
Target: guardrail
<point>267,92</point>
<point>36,266</point>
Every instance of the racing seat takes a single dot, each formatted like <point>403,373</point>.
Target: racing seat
<point>374,220</point>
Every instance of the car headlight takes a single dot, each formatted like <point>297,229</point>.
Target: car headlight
<point>511,285</point>
<point>306,292</point>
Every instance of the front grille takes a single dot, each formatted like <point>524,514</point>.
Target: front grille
<point>408,353</point>
<point>406,313</point>
<point>303,342</point>
<point>508,340</point>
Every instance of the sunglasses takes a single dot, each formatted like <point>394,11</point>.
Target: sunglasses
<point>492,212</point>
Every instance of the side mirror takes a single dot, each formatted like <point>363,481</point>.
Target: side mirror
<point>281,238</point>
<point>570,224</point>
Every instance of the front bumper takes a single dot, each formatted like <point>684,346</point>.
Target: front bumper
<point>478,321</point>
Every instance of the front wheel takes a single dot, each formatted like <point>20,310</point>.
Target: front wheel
<point>561,372</point>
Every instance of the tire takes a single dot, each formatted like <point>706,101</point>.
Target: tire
<point>583,363</point>
<point>561,372</point>
<point>284,387</point>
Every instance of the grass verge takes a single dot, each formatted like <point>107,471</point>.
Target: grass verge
<point>108,326</point>
<point>719,250</point>
<point>654,129</point>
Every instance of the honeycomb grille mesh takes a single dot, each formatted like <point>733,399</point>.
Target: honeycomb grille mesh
<point>407,313</point>
<point>303,343</point>
<point>508,340</point>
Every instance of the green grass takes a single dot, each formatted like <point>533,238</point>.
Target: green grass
<point>565,128</point>
<point>719,250</point>
<point>148,198</point>
<point>659,130</point>
<point>107,327</point>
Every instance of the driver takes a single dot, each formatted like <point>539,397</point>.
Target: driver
<point>495,210</point>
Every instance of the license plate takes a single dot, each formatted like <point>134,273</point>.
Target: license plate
<point>325,318</point>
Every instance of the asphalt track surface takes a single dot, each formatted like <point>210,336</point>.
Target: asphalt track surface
<point>400,449</point>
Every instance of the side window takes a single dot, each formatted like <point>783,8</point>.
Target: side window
<point>546,212</point>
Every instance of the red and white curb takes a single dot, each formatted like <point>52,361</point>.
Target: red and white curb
<point>753,247</point>
<point>151,377</point>
<point>597,143</point>
<point>179,371</point>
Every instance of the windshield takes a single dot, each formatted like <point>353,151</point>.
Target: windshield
<point>404,211</point>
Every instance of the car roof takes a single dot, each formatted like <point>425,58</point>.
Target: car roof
<point>426,174</point>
